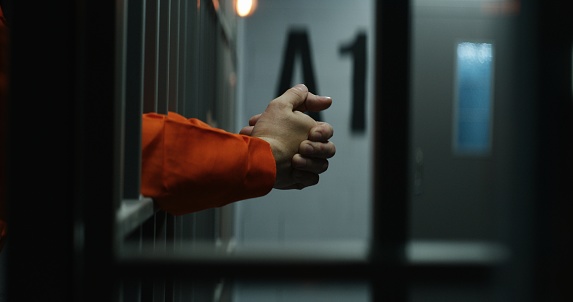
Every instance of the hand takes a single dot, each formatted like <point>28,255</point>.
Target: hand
<point>312,157</point>
<point>313,151</point>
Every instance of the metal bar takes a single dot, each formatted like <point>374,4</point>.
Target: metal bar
<point>132,214</point>
<point>134,62</point>
<point>163,58</point>
<point>553,206</point>
<point>183,57</point>
<point>192,59</point>
<point>206,64</point>
<point>46,275</point>
<point>173,54</point>
<point>151,53</point>
<point>98,152</point>
<point>391,139</point>
<point>289,270</point>
<point>120,92</point>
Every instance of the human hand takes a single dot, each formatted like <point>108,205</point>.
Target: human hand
<point>313,153</point>
<point>310,160</point>
<point>312,157</point>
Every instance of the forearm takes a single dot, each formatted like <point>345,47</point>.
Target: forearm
<point>188,166</point>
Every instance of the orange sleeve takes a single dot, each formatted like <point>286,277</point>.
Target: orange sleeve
<point>188,166</point>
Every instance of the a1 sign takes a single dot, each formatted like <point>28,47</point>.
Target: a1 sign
<point>298,46</point>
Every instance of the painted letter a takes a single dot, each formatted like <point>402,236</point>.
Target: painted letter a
<point>298,44</point>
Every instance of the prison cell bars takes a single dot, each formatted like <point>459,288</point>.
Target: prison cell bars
<point>173,62</point>
<point>67,262</point>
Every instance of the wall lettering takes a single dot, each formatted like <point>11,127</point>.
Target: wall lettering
<point>357,49</point>
<point>298,45</point>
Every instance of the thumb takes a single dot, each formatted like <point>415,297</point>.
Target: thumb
<point>295,96</point>
<point>315,103</point>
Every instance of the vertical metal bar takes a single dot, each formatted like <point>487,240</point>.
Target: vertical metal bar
<point>517,272</point>
<point>181,94</point>
<point>98,151</point>
<point>47,275</point>
<point>134,97</point>
<point>155,99</point>
<point>170,246</point>
<point>177,284</point>
<point>163,56</point>
<point>120,92</point>
<point>150,63</point>
<point>172,62</point>
<point>391,139</point>
<point>177,104</point>
<point>148,230</point>
<point>183,57</point>
<point>159,244</point>
<point>204,72</point>
<point>174,65</point>
<point>118,163</point>
<point>191,67</point>
<point>134,62</point>
<point>554,204</point>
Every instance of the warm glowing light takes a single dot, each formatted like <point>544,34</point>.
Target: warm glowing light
<point>245,8</point>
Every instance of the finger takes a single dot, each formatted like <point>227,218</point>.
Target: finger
<point>306,164</point>
<point>292,187</point>
<point>302,100</point>
<point>305,179</point>
<point>294,96</point>
<point>253,120</point>
<point>315,103</point>
<point>302,179</point>
<point>317,149</point>
<point>247,130</point>
<point>322,132</point>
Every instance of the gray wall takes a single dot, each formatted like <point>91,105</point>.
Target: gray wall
<point>338,207</point>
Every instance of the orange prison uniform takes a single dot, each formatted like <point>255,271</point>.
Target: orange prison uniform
<point>188,166</point>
